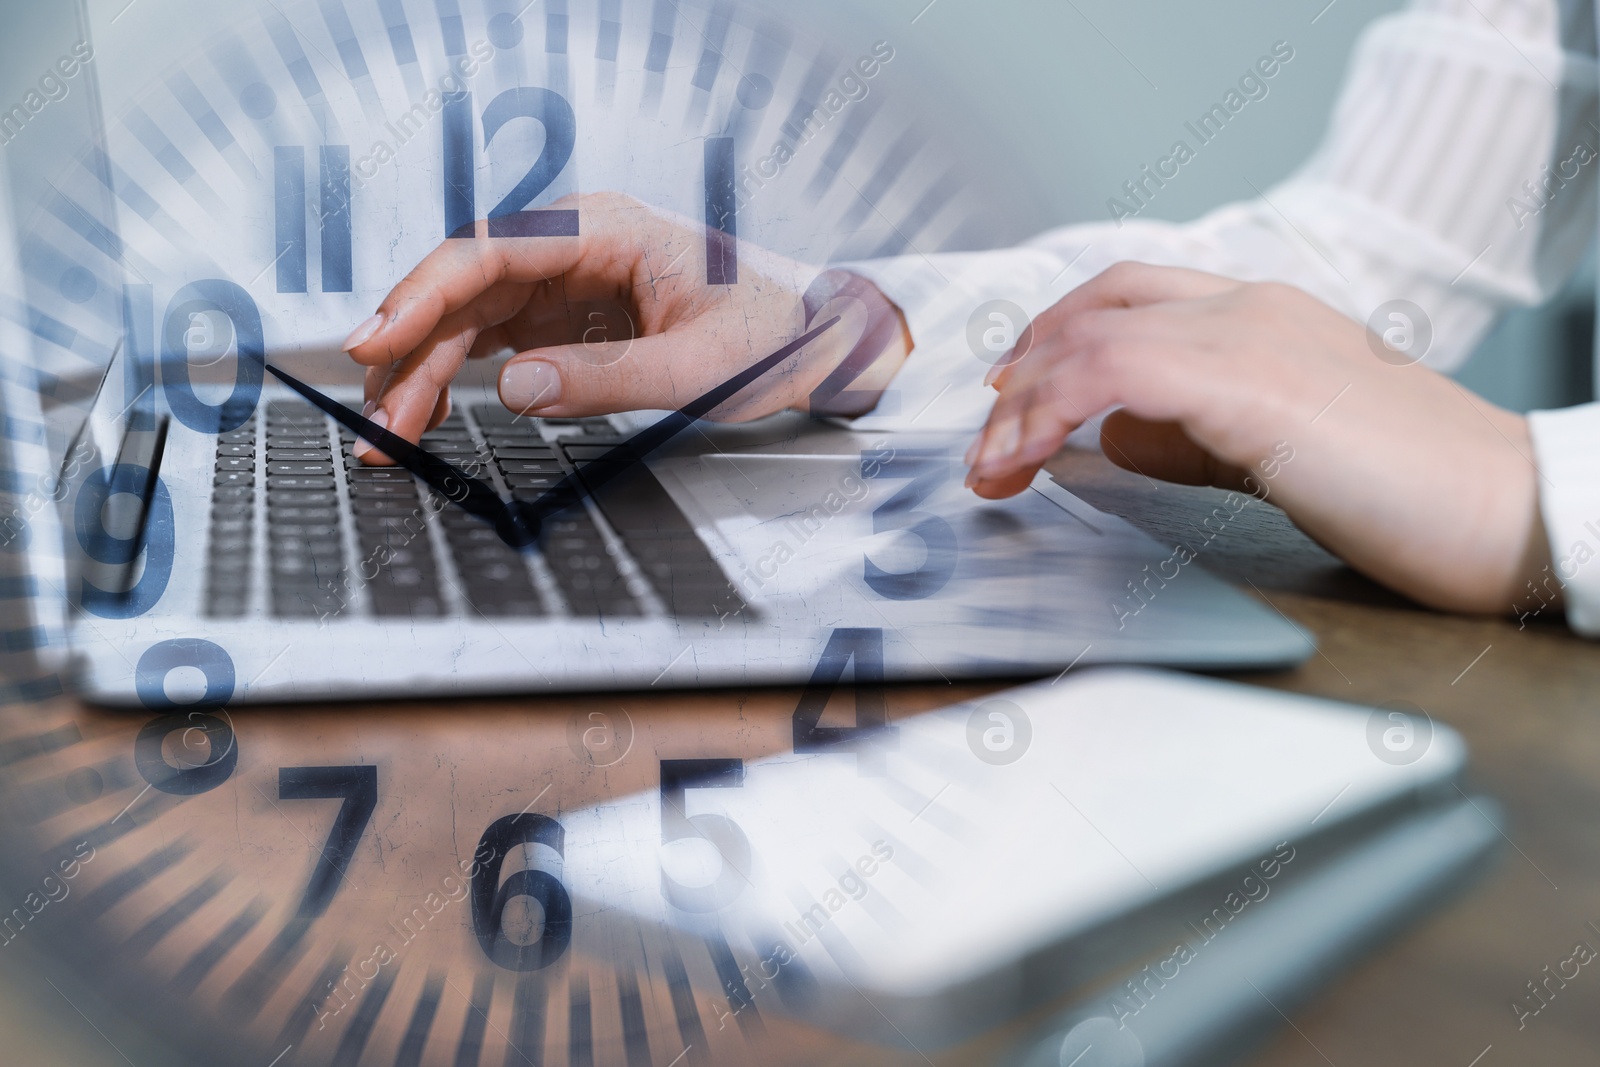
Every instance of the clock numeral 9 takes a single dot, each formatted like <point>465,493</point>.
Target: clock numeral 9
<point>678,776</point>
<point>195,721</point>
<point>197,298</point>
<point>490,896</point>
<point>508,218</point>
<point>155,539</point>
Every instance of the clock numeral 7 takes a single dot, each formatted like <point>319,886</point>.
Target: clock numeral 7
<point>358,786</point>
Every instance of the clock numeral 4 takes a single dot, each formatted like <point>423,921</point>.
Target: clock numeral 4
<point>864,647</point>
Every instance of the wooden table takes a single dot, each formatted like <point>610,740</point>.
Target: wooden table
<point>1528,703</point>
<point>1439,994</point>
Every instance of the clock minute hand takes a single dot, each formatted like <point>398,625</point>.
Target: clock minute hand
<point>573,487</point>
<point>471,494</point>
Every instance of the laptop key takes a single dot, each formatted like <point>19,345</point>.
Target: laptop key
<point>299,455</point>
<point>306,515</point>
<point>380,474</point>
<point>300,481</point>
<point>275,467</point>
<point>234,478</point>
<point>240,450</point>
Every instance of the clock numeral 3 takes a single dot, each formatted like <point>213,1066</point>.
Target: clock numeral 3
<point>926,470</point>
<point>509,218</point>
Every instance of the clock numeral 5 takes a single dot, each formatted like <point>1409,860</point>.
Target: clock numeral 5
<point>509,217</point>
<point>678,776</point>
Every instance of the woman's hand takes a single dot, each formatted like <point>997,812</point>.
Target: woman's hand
<point>1407,476</point>
<point>619,318</point>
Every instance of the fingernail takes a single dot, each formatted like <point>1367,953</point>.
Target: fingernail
<point>378,418</point>
<point>1003,441</point>
<point>529,385</point>
<point>972,479</point>
<point>994,373</point>
<point>972,450</point>
<point>363,333</point>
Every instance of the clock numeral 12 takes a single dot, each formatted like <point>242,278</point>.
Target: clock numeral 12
<point>510,217</point>
<point>293,233</point>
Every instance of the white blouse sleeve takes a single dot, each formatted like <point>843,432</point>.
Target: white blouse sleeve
<point>1458,172</point>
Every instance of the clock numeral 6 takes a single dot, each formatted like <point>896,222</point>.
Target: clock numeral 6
<point>199,729</point>
<point>490,896</point>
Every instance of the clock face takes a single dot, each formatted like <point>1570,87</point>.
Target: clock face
<point>416,883</point>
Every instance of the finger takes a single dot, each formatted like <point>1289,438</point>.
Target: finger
<point>1163,450</point>
<point>1123,285</point>
<point>1000,488</point>
<point>452,277</point>
<point>409,393</point>
<point>441,410</point>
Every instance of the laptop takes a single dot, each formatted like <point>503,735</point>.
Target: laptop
<point>736,554</point>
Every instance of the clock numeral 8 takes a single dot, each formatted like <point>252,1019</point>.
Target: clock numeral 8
<point>195,720</point>
<point>490,896</point>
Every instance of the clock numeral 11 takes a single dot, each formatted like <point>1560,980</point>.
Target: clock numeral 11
<point>293,233</point>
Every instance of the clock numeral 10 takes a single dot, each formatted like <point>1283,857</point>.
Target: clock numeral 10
<point>293,233</point>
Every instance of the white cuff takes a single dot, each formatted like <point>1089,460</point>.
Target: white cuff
<point>1566,445</point>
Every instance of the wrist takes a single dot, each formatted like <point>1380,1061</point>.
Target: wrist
<point>863,351</point>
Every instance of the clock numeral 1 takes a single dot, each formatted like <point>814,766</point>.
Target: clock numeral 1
<point>293,231</point>
<point>722,213</point>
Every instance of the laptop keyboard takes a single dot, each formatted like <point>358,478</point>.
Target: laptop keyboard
<point>301,529</point>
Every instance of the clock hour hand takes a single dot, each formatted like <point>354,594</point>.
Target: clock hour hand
<point>618,460</point>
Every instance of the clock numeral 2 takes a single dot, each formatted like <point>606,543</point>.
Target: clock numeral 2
<point>358,786</point>
<point>293,233</point>
<point>722,213</point>
<point>509,217</point>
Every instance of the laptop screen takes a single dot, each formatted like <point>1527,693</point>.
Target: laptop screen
<point>64,275</point>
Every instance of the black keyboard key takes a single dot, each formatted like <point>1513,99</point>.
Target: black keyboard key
<point>236,463</point>
<point>234,479</point>
<point>383,491</point>
<point>531,466</point>
<point>305,515</point>
<point>299,455</point>
<point>233,499</point>
<point>301,481</point>
<point>274,467</point>
<point>240,450</point>
<point>278,499</point>
<point>535,452</point>
<point>380,474</point>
